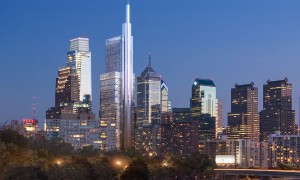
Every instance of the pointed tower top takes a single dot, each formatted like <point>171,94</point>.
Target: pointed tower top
<point>149,59</point>
<point>128,12</point>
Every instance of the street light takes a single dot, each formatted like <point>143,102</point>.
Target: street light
<point>58,162</point>
<point>118,163</point>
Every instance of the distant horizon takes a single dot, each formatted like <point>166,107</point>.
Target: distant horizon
<point>237,42</point>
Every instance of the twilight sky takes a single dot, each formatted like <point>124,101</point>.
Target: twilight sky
<point>236,41</point>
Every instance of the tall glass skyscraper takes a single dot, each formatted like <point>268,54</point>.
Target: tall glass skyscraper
<point>79,58</point>
<point>152,102</point>
<point>72,119</point>
<point>116,91</point>
<point>204,100</point>
<point>127,84</point>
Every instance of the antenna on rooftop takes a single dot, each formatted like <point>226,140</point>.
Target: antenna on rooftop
<point>34,107</point>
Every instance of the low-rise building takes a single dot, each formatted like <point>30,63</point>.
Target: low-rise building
<point>284,149</point>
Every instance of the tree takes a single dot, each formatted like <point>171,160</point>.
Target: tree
<point>59,147</point>
<point>136,170</point>
<point>10,136</point>
<point>20,173</point>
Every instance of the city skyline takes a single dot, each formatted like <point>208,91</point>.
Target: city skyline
<point>262,52</point>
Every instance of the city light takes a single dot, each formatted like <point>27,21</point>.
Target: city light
<point>58,162</point>
<point>118,163</point>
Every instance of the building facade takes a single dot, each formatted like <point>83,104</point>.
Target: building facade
<point>277,113</point>
<point>152,106</point>
<point>79,58</point>
<point>284,150</point>
<point>116,91</point>
<point>110,110</point>
<point>247,153</point>
<point>181,114</point>
<point>204,100</point>
<point>243,120</point>
<point>72,119</point>
<point>180,138</point>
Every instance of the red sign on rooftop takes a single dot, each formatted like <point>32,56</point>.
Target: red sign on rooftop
<point>30,121</point>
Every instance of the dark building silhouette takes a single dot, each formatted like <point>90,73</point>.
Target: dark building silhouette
<point>181,114</point>
<point>180,138</point>
<point>67,87</point>
<point>277,113</point>
<point>243,120</point>
<point>206,127</point>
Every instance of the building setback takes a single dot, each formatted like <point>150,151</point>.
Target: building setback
<point>277,113</point>
<point>243,120</point>
<point>72,119</point>
<point>152,105</point>
<point>204,101</point>
<point>116,91</point>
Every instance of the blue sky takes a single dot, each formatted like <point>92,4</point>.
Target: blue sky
<point>236,41</point>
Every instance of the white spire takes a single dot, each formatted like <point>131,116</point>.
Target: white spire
<point>128,12</point>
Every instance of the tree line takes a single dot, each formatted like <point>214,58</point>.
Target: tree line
<point>25,158</point>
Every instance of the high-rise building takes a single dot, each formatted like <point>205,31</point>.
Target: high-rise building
<point>243,120</point>
<point>180,137</point>
<point>277,113</point>
<point>206,127</point>
<point>204,100</point>
<point>116,91</point>
<point>220,120</point>
<point>127,84</point>
<point>165,102</point>
<point>152,104</point>
<point>110,110</point>
<point>79,58</point>
<point>113,54</point>
<point>67,86</point>
<point>181,114</point>
<point>72,119</point>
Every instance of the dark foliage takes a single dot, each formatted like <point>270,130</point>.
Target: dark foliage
<point>136,170</point>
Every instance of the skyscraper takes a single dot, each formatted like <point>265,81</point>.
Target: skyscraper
<point>152,102</point>
<point>204,100</point>
<point>127,84</point>
<point>72,119</point>
<point>116,91</point>
<point>243,120</point>
<point>79,58</point>
<point>277,113</point>
<point>67,86</point>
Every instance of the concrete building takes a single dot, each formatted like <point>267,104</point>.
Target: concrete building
<point>284,150</point>
<point>247,153</point>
